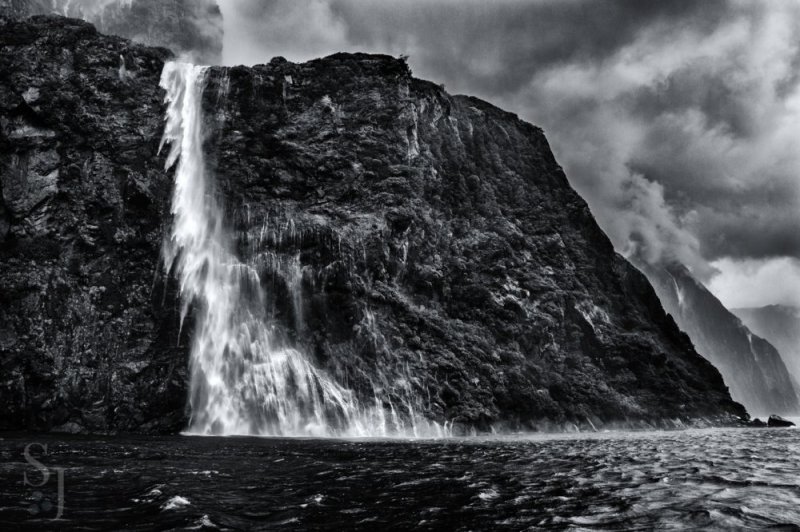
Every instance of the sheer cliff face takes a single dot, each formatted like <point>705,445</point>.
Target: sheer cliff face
<point>751,366</point>
<point>191,28</point>
<point>84,337</point>
<point>407,239</point>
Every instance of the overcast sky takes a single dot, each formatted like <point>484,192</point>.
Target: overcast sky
<point>678,121</point>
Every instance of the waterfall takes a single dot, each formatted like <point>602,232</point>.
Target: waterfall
<point>245,378</point>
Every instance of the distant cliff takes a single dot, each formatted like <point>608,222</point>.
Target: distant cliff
<point>780,325</point>
<point>192,28</point>
<point>407,239</point>
<point>750,365</point>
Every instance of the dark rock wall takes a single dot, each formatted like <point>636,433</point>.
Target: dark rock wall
<point>85,339</point>
<point>750,365</point>
<point>439,246</point>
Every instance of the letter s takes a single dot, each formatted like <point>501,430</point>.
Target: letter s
<point>37,464</point>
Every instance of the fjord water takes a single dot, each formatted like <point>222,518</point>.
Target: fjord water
<point>694,479</point>
<point>246,377</point>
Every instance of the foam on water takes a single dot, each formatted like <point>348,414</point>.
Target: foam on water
<point>175,503</point>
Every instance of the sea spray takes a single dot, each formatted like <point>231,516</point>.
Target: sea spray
<point>245,377</point>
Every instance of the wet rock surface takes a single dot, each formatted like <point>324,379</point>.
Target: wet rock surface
<point>409,240</point>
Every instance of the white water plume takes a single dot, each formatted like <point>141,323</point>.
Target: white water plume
<point>245,378</point>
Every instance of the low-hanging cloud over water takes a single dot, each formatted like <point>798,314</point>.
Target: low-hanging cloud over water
<point>679,121</point>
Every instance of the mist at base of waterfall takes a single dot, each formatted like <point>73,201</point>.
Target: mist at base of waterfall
<point>705,478</point>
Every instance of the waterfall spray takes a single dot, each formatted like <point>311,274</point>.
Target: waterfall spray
<point>245,379</point>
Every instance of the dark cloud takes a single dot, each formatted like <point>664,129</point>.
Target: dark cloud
<point>495,47</point>
<point>751,233</point>
<point>700,86</point>
<point>678,121</point>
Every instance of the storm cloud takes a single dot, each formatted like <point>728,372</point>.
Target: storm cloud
<point>678,121</point>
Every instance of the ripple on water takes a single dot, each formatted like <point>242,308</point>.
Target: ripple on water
<point>715,479</point>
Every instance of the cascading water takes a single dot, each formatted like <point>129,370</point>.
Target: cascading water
<point>245,379</point>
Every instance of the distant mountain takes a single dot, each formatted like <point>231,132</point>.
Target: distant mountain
<point>191,28</point>
<point>780,325</point>
<point>752,367</point>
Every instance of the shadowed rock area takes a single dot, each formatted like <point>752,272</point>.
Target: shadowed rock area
<point>408,240</point>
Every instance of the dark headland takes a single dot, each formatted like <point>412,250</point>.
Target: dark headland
<point>441,222</point>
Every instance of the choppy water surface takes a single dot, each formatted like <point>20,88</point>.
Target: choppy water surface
<point>715,478</point>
